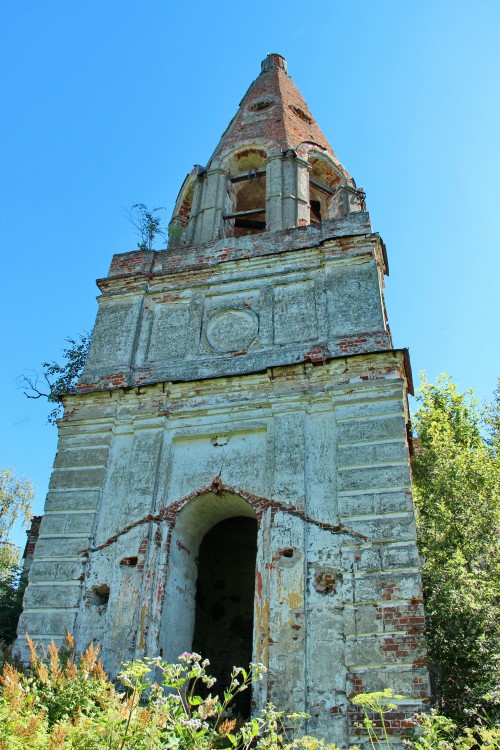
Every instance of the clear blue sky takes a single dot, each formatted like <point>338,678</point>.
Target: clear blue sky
<point>105,104</point>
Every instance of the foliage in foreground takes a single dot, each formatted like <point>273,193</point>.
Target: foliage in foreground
<point>437,732</point>
<point>456,471</point>
<point>432,731</point>
<point>68,702</point>
<point>374,706</point>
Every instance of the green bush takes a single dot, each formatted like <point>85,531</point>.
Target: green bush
<point>66,701</point>
<point>432,731</point>
<point>456,472</point>
<point>437,732</point>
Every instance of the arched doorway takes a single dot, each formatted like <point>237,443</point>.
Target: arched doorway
<point>213,542</point>
<point>223,630</point>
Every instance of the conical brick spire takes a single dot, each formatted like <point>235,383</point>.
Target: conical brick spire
<point>273,169</point>
<point>274,114</point>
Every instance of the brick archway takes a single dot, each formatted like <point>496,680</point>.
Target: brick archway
<point>189,520</point>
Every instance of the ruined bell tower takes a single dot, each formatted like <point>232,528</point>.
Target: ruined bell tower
<point>233,473</point>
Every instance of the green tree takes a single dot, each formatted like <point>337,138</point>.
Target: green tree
<point>456,472</point>
<point>60,378</point>
<point>16,495</point>
<point>12,586</point>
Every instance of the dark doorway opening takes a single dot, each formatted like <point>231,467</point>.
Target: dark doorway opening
<point>223,630</point>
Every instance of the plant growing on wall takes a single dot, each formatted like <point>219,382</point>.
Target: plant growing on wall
<point>147,224</point>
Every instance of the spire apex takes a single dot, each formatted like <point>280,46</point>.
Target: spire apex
<point>273,60</point>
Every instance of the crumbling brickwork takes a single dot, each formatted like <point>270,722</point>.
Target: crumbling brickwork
<point>245,374</point>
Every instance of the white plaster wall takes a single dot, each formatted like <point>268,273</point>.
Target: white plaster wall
<point>240,316</point>
<point>317,453</point>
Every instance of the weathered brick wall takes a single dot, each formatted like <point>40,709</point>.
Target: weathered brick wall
<point>318,456</point>
<point>29,550</point>
<point>239,306</point>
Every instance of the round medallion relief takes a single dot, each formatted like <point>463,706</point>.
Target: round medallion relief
<point>232,330</point>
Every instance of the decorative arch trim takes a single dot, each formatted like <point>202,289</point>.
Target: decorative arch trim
<point>170,512</point>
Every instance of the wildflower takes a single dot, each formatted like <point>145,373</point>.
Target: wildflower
<point>258,670</point>
<point>190,657</point>
<point>377,701</point>
<point>193,723</point>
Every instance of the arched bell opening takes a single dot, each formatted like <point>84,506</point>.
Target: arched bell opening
<point>247,193</point>
<point>212,545</point>
<point>182,212</point>
<point>325,191</point>
<point>225,591</point>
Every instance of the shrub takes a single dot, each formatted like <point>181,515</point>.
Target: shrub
<point>432,731</point>
<point>66,701</point>
<point>437,732</point>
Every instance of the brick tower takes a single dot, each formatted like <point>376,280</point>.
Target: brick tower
<point>233,472</point>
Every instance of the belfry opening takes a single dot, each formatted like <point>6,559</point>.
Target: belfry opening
<point>225,589</point>
<point>247,192</point>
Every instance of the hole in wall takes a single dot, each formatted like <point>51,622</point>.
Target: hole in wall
<point>260,105</point>
<point>315,210</point>
<point>99,595</point>
<point>220,440</point>
<point>301,114</point>
<point>129,562</point>
<point>251,204</point>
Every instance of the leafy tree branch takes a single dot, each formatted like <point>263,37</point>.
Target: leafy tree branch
<point>57,378</point>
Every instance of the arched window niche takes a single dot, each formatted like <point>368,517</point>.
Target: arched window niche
<point>246,206</point>
<point>326,194</point>
<point>210,587</point>
<point>177,229</point>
